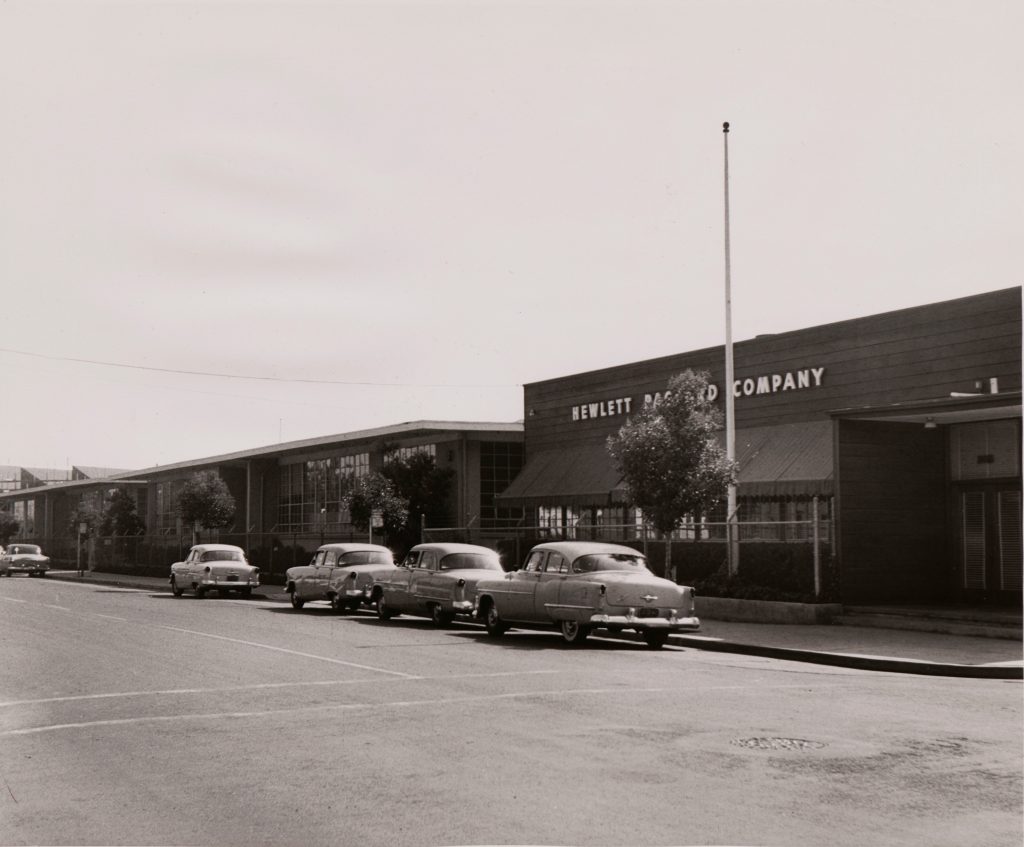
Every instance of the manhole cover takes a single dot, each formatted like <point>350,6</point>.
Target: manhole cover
<point>762,743</point>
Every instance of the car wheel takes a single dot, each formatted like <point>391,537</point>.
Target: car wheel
<point>574,632</point>
<point>384,611</point>
<point>339,604</point>
<point>176,589</point>
<point>492,620</point>
<point>246,592</point>
<point>200,592</point>
<point>297,601</point>
<point>656,638</point>
<point>440,617</point>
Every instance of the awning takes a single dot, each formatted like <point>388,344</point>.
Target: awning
<point>785,460</point>
<point>571,476</point>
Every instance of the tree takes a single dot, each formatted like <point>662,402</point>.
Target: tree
<point>205,501</point>
<point>9,526</point>
<point>121,516</point>
<point>426,487</point>
<point>671,462</point>
<point>375,493</point>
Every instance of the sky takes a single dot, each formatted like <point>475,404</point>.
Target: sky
<point>229,224</point>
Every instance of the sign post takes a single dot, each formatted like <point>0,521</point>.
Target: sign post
<point>83,528</point>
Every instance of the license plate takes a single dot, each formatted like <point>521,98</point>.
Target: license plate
<point>647,613</point>
<point>232,577</point>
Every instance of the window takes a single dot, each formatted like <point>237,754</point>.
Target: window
<point>408,452</point>
<point>500,463</point>
<point>310,493</point>
<point>556,564</point>
<point>535,562</point>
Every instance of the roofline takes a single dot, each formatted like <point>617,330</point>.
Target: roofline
<point>974,401</point>
<point>64,485</point>
<point>406,428</point>
<point>773,335</point>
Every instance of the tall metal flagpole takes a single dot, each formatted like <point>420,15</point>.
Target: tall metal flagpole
<point>732,536</point>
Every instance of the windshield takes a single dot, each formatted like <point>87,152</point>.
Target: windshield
<point>610,562</point>
<point>365,557</point>
<point>476,561</point>
<point>24,548</point>
<point>223,556</point>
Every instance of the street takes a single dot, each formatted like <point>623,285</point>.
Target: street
<point>130,717</point>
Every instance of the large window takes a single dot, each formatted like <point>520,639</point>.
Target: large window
<point>408,452</point>
<point>311,492</point>
<point>500,463</point>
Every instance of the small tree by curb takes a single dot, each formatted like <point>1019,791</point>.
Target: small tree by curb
<point>206,502</point>
<point>670,459</point>
<point>9,526</point>
<point>374,493</point>
<point>121,516</point>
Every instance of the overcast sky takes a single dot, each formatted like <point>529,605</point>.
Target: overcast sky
<point>429,204</point>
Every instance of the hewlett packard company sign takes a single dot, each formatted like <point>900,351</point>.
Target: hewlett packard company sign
<point>752,386</point>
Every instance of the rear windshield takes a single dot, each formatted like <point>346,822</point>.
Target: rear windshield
<point>30,549</point>
<point>610,562</point>
<point>222,556</point>
<point>365,557</point>
<point>477,561</point>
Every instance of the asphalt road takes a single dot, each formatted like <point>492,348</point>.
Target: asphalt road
<point>135,718</point>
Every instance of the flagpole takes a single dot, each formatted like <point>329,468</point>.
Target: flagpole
<point>732,536</point>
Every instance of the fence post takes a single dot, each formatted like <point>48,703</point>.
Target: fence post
<point>817,553</point>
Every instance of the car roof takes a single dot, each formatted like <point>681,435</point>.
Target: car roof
<point>574,549</point>
<point>453,547</point>
<point>352,547</point>
<point>204,547</point>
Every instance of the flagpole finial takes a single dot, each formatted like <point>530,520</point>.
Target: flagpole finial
<point>725,127</point>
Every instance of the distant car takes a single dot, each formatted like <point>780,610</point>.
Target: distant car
<point>24,558</point>
<point>214,567</point>
<point>580,586</point>
<point>435,580</point>
<point>342,574</point>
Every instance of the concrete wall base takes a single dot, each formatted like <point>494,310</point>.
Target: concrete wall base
<point>766,611</point>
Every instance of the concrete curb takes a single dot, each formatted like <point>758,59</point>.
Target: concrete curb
<point>696,642</point>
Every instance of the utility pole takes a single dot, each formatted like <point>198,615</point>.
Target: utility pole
<point>731,527</point>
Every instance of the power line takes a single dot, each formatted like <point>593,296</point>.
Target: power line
<point>244,376</point>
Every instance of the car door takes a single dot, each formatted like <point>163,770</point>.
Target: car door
<point>517,602</point>
<point>549,587</point>
<point>320,576</point>
<point>423,582</point>
<point>305,585</point>
<point>396,588</point>
<point>190,566</point>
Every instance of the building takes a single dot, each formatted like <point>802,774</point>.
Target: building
<point>287,496</point>
<point>903,429</point>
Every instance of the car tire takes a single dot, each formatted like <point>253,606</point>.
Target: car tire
<point>384,611</point>
<point>492,621</point>
<point>176,589</point>
<point>574,632</point>
<point>439,616</point>
<point>246,592</point>
<point>655,638</point>
<point>297,602</point>
<point>200,592</point>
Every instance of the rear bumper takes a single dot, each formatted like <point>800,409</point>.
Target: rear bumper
<point>627,621</point>
<point>28,569</point>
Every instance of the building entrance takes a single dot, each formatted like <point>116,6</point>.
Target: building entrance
<point>989,541</point>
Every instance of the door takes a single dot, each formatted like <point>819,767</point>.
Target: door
<point>549,587</point>
<point>517,604</point>
<point>990,541</point>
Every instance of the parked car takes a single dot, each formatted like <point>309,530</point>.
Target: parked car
<point>214,567</point>
<point>580,586</point>
<point>437,581</point>
<point>24,558</point>
<point>343,574</point>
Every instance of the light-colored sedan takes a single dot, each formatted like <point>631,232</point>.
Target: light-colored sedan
<point>214,567</point>
<point>435,580</point>
<point>24,558</point>
<point>580,586</point>
<point>342,574</point>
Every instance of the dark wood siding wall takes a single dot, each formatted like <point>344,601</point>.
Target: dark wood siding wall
<point>891,511</point>
<point>913,354</point>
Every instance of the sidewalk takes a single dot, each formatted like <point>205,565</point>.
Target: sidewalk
<point>860,647</point>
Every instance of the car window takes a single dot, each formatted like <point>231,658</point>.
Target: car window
<point>478,561</point>
<point>365,557</point>
<point>610,562</point>
<point>318,558</point>
<point>556,563</point>
<point>412,559</point>
<point>222,556</point>
<point>535,561</point>
<point>428,560</point>
<point>330,558</point>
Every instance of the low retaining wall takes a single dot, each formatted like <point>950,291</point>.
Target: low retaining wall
<point>766,611</point>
